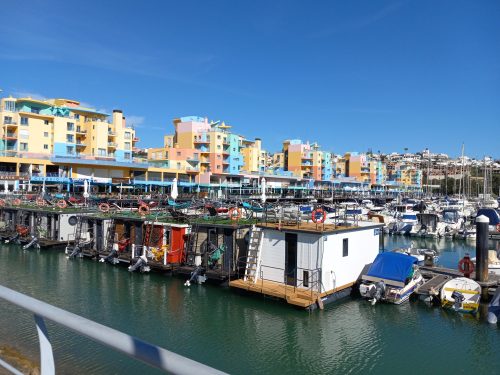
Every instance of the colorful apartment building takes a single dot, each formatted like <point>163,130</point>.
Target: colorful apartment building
<point>59,136</point>
<point>61,139</point>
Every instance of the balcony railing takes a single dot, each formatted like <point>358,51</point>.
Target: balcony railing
<point>81,131</point>
<point>9,123</point>
<point>112,144</point>
<point>111,134</point>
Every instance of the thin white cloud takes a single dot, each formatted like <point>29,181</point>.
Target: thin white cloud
<point>136,121</point>
<point>28,94</point>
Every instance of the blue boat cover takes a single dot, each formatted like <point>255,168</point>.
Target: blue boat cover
<point>491,214</point>
<point>392,266</point>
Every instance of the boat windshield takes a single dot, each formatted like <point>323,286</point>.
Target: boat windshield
<point>409,217</point>
<point>450,216</point>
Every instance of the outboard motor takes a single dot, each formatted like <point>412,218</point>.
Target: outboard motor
<point>111,256</point>
<point>459,298</point>
<point>141,264</point>
<point>373,292</point>
<point>32,243</point>
<point>14,239</point>
<point>196,276</point>
<point>76,251</point>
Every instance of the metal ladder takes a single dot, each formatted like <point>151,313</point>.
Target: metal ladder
<point>78,230</point>
<point>110,236</point>
<point>253,254</point>
<point>192,244</point>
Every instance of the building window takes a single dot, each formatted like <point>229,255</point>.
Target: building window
<point>45,147</point>
<point>126,155</point>
<point>178,153</point>
<point>24,134</point>
<point>24,121</point>
<point>9,106</point>
<point>127,145</point>
<point>127,135</point>
<point>35,110</point>
<point>70,150</point>
<point>178,165</point>
<point>70,126</point>
<point>345,247</point>
<point>45,122</point>
<point>45,134</point>
<point>218,136</point>
<point>70,138</point>
<point>218,147</point>
<point>76,116</point>
<point>101,151</point>
<point>7,120</point>
<point>23,146</point>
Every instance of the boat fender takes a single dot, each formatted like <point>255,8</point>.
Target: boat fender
<point>498,227</point>
<point>16,202</point>
<point>318,216</point>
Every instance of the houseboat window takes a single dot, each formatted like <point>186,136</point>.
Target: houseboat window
<point>305,279</point>
<point>345,247</point>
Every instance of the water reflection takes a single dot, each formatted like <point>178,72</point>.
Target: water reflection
<point>239,333</point>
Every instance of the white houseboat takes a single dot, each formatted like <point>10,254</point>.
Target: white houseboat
<point>306,264</point>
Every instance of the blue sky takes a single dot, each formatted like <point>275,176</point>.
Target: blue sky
<point>351,75</point>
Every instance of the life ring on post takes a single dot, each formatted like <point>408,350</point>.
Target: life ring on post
<point>61,203</point>
<point>143,209</point>
<point>16,202</point>
<point>234,213</point>
<point>498,227</point>
<point>40,202</point>
<point>466,266</point>
<point>104,207</point>
<point>318,216</point>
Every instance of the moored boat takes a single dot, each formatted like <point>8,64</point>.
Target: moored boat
<point>461,294</point>
<point>392,278</point>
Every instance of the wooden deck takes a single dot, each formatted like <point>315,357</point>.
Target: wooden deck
<point>295,296</point>
<point>307,227</point>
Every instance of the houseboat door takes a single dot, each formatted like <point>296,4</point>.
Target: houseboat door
<point>291,258</point>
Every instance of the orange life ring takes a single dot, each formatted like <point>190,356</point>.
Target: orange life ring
<point>143,209</point>
<point>234,213</point>
<point>22,230</point>
<point>61,203</point>
<point>316,212</point>
<point>465,266</point>
<point>2,202</point>
<point>16,202</point>
<point>104,207</point>
<point>40,202</point>
<point>498,227</point>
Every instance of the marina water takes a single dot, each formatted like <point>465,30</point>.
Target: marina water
<point>241,334</point>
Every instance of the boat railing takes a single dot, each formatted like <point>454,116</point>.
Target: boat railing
<point>150,354</point>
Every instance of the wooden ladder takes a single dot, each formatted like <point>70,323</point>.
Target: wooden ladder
<point>253,254</point>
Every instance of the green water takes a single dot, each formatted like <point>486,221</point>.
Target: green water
<point>238,333</point>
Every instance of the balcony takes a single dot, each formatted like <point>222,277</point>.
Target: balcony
<point>80,131</point>
<point>112,144</point>
<point>10,136</point>
<point>10,124</point>
<point>80,144</point>
<point>192,160</point>
<point>204,161</point>
<point>201,141</point>
<point>111,134</point>
<point>135,139</point>
<point>192,170</point>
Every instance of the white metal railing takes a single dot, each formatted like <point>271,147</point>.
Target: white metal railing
<point>151,354</point>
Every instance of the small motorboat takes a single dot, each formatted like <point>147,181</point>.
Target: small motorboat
<point>420,254</point>
<point>461,294</point>
<point>391,278</point>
